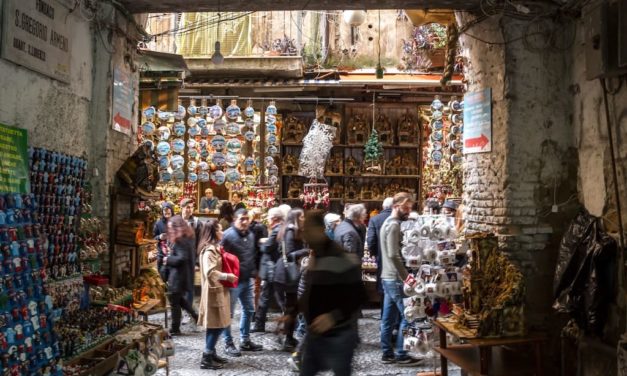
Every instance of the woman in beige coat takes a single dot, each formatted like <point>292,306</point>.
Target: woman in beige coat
<point>214,307</point>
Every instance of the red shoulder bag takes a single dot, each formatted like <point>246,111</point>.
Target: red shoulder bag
<point>230,264</point>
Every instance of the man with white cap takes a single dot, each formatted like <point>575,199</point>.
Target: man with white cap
<point>331,220</point>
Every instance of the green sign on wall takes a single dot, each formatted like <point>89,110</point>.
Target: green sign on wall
<point>14,174</point>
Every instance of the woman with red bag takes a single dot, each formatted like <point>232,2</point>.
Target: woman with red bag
<point>214,307</point>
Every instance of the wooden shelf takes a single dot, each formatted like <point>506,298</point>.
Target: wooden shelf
<point>503,362</point>
<point>383,176</point>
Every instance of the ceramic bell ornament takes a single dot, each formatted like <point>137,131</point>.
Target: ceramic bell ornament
<point>233,111</point>
<point>249,111</point>
<point>192,110</point>
<point>271,109</point>
<point>215,111</point>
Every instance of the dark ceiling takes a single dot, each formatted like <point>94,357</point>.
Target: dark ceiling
<point>156,6</point>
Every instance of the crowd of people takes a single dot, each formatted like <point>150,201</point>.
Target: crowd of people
<point>309,263</point>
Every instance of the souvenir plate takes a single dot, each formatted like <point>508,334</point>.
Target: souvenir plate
<point>203,176</point>
<point>178,145</point>
<point>437,155</point>
<point>191,143</point>
<point>180,113</point>
<point>192,110</point>
<point>203,110</point>
<point>202,123</point>
<point>192,121</point>
<point>437,125</point>
<point>193,131</point>
<point>436,145</point>
<point>149,113</point>
<point>177,162</point>
<point>192,166</point>
<point>192,177</point>
<point>232,129</point>
<point>178,175</point>
<point>270,119</point>
<point>272,139</point>
<point>457,106</point>
<point>273,170</point>
<point>437,136</point>
<point>219,125</point>
<point>218,142</point>
<point>234,145</point>
<point>232,159</point>
<point>164,115</point>
<point>218,177</point>
<point>148,128</point>
<point>203,166</point>
<point>164,133</point>
<point>272,150</point>
<point>164,162</point>
<point>271,128</point>
<point>203,144</point>
<point>249,112</point>
<point>232,175</point>
<point>249,164</point>
<point>457,119</point>
<point>269,161</point>
<point>218,159</point>
<point>249,136</point>
<point>233,112</point>
<point>271,110</point>
<point>437,115</point>
<point>455,129</point>
<point>215,112</point>
<point>165,176</point>
<point>163,148</point>
<point>436,105</point>
<point>179,129</point>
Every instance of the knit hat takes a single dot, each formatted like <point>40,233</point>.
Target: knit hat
<point>167,204</point>
<point>331,218</point>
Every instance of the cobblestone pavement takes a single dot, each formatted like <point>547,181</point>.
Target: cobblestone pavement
<point>272,361</point>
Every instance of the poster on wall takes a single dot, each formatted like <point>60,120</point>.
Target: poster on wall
<point>36,35</point>
<point>14,174</point>
<point>123,99</point>
<point>478,121</point>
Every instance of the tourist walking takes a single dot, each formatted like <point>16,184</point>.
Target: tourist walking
<point>348,233</point>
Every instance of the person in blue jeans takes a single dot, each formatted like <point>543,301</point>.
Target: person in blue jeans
<point>393,273</point>
<point>240,241</point>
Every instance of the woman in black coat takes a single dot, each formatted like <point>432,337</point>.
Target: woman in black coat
<point>291,241</point>
<point>180,263</point>
<point>160,234</point>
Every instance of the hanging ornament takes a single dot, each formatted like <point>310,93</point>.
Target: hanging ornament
<point>271,109</point>
<point>177,162</point>
<point>232,129</point>
<point>218,142</point>
<point>178,145</point>
<point>179,129</point>
<point>354,17</point>
<point>192,121</point>
<point>203,176</point>
<point>215,111</point>
<point>192,110</point>
<point>232,159</point>
<point>249,111</point>
<point>218,159</point>
<point>232,175</point>
<point>164,162</point>
<point>163,148</point>
<point>192,177</point>
<point>180,113</point>
<point>316,147</point>
<point>149,113</point>
<point>234,145</point>
<point>148,128</point>
<point>218,177</point>
<point>164,133</point>
<point>233,111</point>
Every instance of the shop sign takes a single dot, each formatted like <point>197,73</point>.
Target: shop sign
<point>478,121</point>
<point>123,100</point>
<point>14,174</point>
<point>35,34</point>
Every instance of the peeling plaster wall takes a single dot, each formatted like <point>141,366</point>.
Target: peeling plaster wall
<point>55,114</point>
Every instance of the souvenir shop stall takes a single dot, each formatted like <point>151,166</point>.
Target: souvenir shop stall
<point>58,316</point>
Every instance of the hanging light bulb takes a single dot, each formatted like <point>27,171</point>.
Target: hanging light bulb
<point>217,57</point>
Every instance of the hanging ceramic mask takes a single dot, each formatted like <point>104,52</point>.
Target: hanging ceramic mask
<point>273,150</point>
<point>271,128</point>
<point>249,164</point>
<point>203,176</point>
<point>437,115</point>
<point>178,129</point>
<point>249,112</point>
<point>178,175</point>
<point>232,129</point>
<point>218,142</point>
<point>164,162</point>
<point>192,121</point>
<point>202,123</point>
<point>204,132</point>
<point>218,159</point>
<point>232,175</point>
<point>178,145</point>
<point>203,166</point>
<point>249,136</point>
<point>148,128</point>
<point>456,158</point>
<point>191,143</point>
<point>271,109</point>
<point>193,131</point>
<point>437,125</point>
<point>192,110</point>
<point>436,145</point>
<point>165,176</point>
<point>232,159</point>
<point>192,153</point>
<point>203,110</point>
<point>234,145</point>
<point>164,115</point>
<point>192,165</point>
<point>164,133</point>
<point>250,180</point>
<point>219,125</point>
<point>273,170</point>
<point>437,105</point>
<point>269,161</point>
<point>163,148</point>
<point>180,113</point>
<point>192,177</point>
<point>177,162</point>
<point>457,119</point>
<point>149,113</point>
<point>437,136</point>
<point>272,139</point>
<point>218,177</point>
<point>233,111</point>
<point>437,155</point>
<point>215,112</point>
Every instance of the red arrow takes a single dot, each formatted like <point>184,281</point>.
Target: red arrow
<point>480,142</point>
<point>122,121</point>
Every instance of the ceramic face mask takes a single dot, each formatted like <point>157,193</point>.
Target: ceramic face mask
<point>218,142</point>
<point>179,129</point>
<point>233,111</point>
<point>215,112</point>
<point>232,129</point>
<point>232,159</point>
<point>233,145</point>
<point>219,125</point>
<point>218,159</point>
<point>177,162</point>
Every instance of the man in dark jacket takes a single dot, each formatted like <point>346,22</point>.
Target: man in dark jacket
<point>240,241</point>
<point>347,234</point>
<point>270,255</point>
<point>374,229</point>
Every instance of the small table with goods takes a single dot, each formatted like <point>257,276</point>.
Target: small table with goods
<point>476,356</point>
